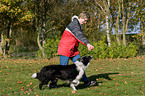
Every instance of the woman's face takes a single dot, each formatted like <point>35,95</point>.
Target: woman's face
<point>83,21</point>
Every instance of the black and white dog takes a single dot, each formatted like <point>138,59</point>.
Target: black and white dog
<point>72,73</point>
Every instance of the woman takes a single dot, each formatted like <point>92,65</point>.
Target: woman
<point>69,43</point>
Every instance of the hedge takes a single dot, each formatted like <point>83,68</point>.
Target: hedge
<point>101,49</point>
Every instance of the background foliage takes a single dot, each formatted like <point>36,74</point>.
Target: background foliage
<point>23,21</point>
<point>101,50</point>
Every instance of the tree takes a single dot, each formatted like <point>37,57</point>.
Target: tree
<point>139,16</point>
<point>11,13</point>
<point>125,21</point>
<point>115,20</point>
<point>43,10</point>
<point>121,14</point>
<point>58,12</point>
<point>106,11</point>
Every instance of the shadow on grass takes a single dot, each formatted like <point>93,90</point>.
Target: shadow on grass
<point>105,76</point>
<point>91,78</point>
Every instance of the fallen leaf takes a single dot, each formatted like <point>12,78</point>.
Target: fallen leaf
<point>36,94</point>
<point>112,75</point>
<point>100,93</point>
<point>34,86</point>
<point>141,88</point>
<point>73,91</point>
<point>23,89</point>
<point>7,73</point>
<point>19,82</point>
<point>99,83</point>
<point>125,82</point>
<point>96,87</point>
<point>105,94</point>
<point>114,79</point>
<point>30,89</point>
<point>116,84</point>
<point>120,74</point>
<point>7,66</point>
<point>31,83</point>
<point>141,92</point>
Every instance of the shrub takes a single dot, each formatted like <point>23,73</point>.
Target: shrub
<point>101,49</point>
<point>50,48</point>
<point>121,51</point>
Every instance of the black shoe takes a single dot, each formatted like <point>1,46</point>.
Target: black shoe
<point>53,85</point>
<point>89,83</point>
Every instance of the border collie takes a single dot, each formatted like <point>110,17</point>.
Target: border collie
<point>72,73</point>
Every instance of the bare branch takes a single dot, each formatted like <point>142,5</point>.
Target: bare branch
<point>101,7</point>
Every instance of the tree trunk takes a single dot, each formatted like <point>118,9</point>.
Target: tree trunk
<point>40,24</point>
<point>3,45</point>
<point>123,21</point>
<point>8,37</point>
<point>107,22</point>
<point>39,45</point>
<point>43,30</point>
<point>143,34</point>
<point>117,24</point>
<point>1,51</point>
<point>107,14</point>
<point>108,32</point>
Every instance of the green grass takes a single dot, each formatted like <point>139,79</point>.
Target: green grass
<point>116,77</point>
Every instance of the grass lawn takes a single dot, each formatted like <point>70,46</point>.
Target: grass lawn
<point>116,77</point>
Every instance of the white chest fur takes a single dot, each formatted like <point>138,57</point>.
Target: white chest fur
<point>81,68</point>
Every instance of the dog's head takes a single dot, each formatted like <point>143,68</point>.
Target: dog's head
<point>84,61</point>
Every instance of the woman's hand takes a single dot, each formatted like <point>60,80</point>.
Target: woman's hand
<point>90,47</point>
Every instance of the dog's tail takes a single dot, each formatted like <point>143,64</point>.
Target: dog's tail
<point>34,75</point>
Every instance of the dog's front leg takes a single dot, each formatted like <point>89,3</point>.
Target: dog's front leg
<point>77,83</point>
<point>73,86</point>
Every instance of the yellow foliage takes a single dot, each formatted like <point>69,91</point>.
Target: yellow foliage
<point>27,17</point>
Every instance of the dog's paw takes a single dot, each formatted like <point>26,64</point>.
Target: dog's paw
<point>48,85</point>
<point>74,89</point>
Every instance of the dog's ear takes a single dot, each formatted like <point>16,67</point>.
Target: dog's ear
<point>79,59</point>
